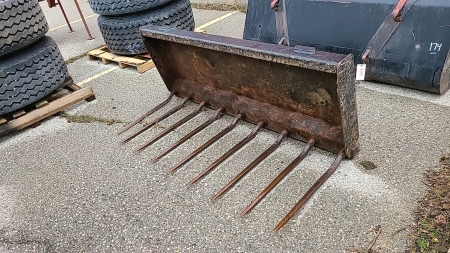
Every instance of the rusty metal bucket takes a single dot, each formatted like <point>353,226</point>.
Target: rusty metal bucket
<point>296,91</point>
<point>310,94</point>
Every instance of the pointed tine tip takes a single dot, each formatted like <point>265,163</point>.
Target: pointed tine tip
<point>250,207</point>
<point>281,224</point>
<point>139,149</point>
<point>311,191</point>
<point>189,135</point>
<point>220,193</point>
<point>280,176</point>
<point>253,164</point>
<point>196,179</point>
<point>190,183</point>
<point>123,130</point>
<point>153,110</point>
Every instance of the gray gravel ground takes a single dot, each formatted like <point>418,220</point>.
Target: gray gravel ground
<point>72,187</point>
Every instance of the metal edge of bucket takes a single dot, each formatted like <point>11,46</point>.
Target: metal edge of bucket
<point>347,93</point>
<point>285,55</point>
<point>344,69</point>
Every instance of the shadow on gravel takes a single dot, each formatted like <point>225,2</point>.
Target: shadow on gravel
<point>15,240</point>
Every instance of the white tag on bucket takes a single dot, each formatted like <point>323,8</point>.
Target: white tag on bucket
<point>360,72</point>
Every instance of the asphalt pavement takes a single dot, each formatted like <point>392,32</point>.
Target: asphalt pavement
<point>73,187</point>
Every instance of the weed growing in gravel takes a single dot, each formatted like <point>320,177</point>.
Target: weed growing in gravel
<point>220,7</point>
<point>88,119</point>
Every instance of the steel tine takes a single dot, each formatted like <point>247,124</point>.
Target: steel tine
<point>260,158</point>
<point>311,190</point>
<point>172,127</point>
<point>156,108</point>
<point>282,175</point>
<point>208,143</point>
<point>228,153</point>
<point>189,135</point>
<point>167,114</point>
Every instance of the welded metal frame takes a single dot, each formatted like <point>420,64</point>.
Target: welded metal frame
<point>190,68</point>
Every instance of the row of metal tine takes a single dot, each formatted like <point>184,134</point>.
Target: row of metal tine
<point>230,152</point>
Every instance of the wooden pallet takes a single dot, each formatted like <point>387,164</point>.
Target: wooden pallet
<point>31,116</point>
<point>140,62</point>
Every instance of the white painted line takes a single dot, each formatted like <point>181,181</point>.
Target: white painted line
<point>217,20</point>
<point>85,81</point>
<point>73,22</point>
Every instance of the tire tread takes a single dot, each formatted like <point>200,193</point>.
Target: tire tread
<point>31,75</point>
<point>121,34</point>
<point>22,23</point>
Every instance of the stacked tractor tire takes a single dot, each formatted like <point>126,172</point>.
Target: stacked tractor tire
<point>119,21</point>
<point>31,65</point>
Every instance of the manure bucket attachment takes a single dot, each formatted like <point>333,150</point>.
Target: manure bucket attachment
<point>295,91</point>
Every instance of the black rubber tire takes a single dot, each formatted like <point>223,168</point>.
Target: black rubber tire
<point>121,34</point>
<point>30,75</point>
<point>120,7</point>
<point>22,22</point>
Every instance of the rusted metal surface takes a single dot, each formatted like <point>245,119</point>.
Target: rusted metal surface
<point>396,13</point>
<point>207,144</point>
<point>252,165</point>
<point>385,31</point>
<point>172,127</point>
<point>281,23</point>
<point>53,3</point>
<point>189,135</point>
<point>365,56</point>
<point>149,125</point>
<point>280,177</point>
<point>296,91</point>
<point>282,41</point>
<point>311,190</point>
<point>273,4</point>
<point>153,110</point>
<point>230,152</point>
<point>310,95</point>
<point>83,19</point>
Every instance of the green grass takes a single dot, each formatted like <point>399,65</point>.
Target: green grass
<point>432,233</point>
